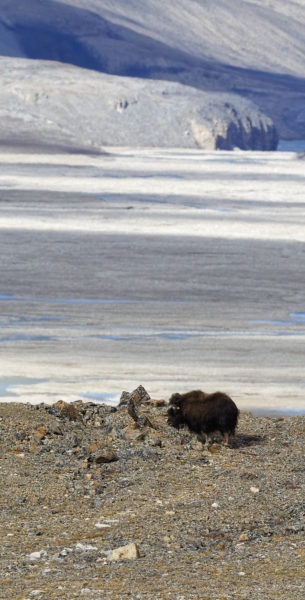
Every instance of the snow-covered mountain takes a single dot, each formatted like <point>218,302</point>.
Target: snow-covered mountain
<point>252,51</point>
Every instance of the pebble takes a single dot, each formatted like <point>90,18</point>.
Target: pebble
<point>37,555</point>
<point>84,548</point>
<point>243,537</point>
<point>65,552</point>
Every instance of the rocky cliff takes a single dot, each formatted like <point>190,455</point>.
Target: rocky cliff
<point>64,106</point>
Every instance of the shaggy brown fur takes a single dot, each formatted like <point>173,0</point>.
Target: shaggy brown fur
<point>204,413</point>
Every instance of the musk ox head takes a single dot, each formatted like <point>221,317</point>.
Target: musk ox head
<point>175,417</point>
<point>175,400</point>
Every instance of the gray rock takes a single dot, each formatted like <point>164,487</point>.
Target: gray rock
<point>140,396</point>
<point>103,456</point>
<point>124,399</point>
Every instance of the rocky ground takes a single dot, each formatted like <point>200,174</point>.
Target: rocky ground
<point>100,502</point>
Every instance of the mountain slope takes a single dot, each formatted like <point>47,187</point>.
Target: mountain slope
<point>252,49</point>
<point>87,110</point>
<point>241,33</point>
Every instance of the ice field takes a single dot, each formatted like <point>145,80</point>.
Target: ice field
<point>173,269</point>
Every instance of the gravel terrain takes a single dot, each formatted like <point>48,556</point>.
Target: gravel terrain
<point>82,480</point>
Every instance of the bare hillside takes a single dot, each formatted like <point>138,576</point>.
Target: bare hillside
<point>254,50</point>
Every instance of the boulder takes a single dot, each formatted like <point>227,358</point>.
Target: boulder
<point>128,552</point>
<point>138,396</point>
<point>103,456</point>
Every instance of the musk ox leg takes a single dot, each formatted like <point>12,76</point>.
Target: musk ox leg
<point>202,438</point>
<point>225,439</point>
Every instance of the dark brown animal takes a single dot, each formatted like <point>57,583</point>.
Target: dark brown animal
<point>204,413</point>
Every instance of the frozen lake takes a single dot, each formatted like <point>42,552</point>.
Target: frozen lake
<point>172,269</point>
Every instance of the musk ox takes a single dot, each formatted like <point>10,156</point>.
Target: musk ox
<point>204,413</point>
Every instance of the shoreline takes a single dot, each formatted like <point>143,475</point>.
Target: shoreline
<point>256,411</point>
